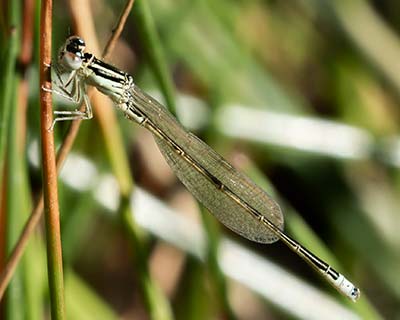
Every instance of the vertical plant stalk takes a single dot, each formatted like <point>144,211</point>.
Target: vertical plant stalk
<point>6,82</point>
<point>6,93</point>
<point>52,214</point>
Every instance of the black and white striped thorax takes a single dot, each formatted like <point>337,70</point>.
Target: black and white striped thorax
<point>107,79</point>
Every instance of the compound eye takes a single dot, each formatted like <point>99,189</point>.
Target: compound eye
<point>71,55</point>
<point>75,44</point>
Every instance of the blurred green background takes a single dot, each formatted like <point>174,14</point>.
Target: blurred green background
<point>308,90</point>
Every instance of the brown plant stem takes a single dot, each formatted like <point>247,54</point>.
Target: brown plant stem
<point>50,188</point>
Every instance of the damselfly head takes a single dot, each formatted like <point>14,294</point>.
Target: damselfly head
<point>72,53</point>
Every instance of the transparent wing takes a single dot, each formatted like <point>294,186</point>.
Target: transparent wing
<point>223,207</point>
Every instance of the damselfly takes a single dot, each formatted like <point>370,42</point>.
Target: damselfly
<point>232,197</point>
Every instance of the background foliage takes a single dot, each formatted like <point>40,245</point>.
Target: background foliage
<point>309,90</point>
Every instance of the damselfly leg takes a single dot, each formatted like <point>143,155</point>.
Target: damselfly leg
<point>70,87</point>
